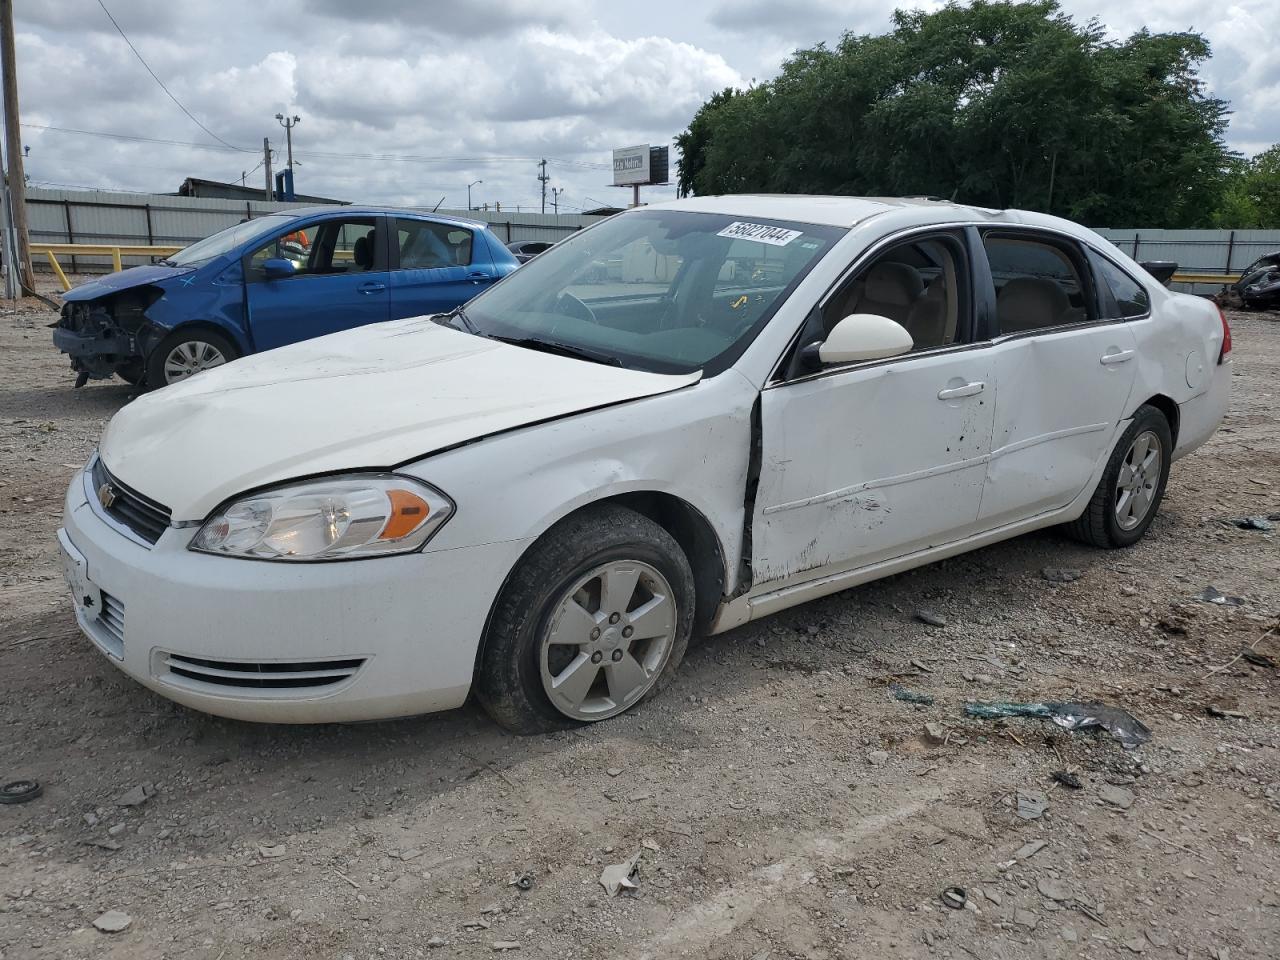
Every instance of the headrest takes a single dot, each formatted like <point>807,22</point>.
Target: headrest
<point>892,283</point>
<point>1027,303</point>
<point>363,251</point>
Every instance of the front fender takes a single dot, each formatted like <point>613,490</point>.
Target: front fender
<point>216,301</point>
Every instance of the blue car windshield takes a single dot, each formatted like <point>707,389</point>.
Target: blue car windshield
<point>224,241</point>
<point>671,291</point>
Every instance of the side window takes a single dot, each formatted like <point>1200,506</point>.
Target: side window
<point>1131,297</point>
<point>425,245</point>
<point>1037,284</point>
<point>922,284</point>
<point>329,247</point>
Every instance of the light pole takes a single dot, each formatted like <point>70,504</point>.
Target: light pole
<point>555,199</point>
<point>288,123</point>
<point>469,186</point>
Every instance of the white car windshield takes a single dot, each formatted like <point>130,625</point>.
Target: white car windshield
<point>227,240</point>
<point>670,291</point>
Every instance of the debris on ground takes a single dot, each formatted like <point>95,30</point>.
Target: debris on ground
<point>521,881</point>
<point>1263,524</point>
<point>1067,779</point>
<point>955,897</point>
<point>927,616</point>
<point>1116,796</point>
<point>1224,712</point>
<point>272,852</point>
<point>501,946</point>
<point>935,733</point>
<point>1061,574</point>
<point>1212,594</point>
<point>1053,889</point>
<point>137,796</point>
<point>20,791</point>
<point>1029,850</point>
<point>1032,804</point>
<point>618,876</point>
<point>910,696</point>
<point>1257,659</point>
<point>1122,725</point>
<point>113,921</point>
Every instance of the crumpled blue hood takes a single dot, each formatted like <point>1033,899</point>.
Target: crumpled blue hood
<point>124,280</point>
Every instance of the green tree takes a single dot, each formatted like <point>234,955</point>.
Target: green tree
<point>1251,198</point>
<point>998,104</point>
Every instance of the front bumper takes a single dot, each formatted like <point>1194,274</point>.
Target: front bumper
<point>280,642</point>
<point>98,354</point>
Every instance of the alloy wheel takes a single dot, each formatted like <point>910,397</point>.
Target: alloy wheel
<point>608,640</point>
<point>1138,480</point>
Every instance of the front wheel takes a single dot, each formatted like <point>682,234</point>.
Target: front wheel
<point>184,353</point>
<point>593,620</point>
<point>1132,486</point>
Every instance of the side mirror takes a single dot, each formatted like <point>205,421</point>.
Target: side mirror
<point>277,268</point>
<point>861,336</point>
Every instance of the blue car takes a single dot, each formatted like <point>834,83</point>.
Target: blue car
<point>271,281</point>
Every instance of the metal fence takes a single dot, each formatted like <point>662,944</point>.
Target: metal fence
<point>141,219</point>
<point>1196,251</point>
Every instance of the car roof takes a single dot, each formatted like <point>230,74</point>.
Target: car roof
<point>358,210</point>
<point>892,213</point>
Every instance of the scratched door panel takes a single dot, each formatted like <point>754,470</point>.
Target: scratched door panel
<point>869,464</point>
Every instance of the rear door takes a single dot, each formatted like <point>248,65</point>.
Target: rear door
<point>1064,368</point>
<point>436,266</point>
<point>340,281</point>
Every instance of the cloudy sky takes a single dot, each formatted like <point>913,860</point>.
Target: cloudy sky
<point>467,90</point>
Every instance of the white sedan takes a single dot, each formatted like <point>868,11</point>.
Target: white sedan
<point>684,418</point>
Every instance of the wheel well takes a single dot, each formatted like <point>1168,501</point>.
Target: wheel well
<point>1170,410</point>
<point>697,538</point>
<point>190,326</point>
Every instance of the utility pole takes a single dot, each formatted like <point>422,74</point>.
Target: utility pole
<point>288,123</point>
<point>266,164</point>
<point>17,181</point>
<point>555,200</point>
<point>543,178</point>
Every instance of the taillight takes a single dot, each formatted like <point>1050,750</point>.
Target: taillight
<point>1226,337</point>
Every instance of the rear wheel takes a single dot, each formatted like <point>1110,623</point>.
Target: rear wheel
<point>593,620</point>
<point>1132,486</point>
<point>184,353</point>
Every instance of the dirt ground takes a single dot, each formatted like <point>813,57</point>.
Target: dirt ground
<point>783,804</point>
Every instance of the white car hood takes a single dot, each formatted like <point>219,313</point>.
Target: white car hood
<point>371,397</point>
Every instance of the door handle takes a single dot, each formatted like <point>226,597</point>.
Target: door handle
<point>966,390</point>
<point>478,277</point>
<point>1118,356</point>
<point>368,288</point>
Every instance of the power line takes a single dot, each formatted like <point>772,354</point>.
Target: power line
<point>320,155</point>
<point>167,91</point>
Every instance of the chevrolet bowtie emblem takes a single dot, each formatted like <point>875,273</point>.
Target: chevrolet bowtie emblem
<point>106,496</point>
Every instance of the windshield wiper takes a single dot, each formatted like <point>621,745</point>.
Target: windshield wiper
<point>460,314</point>
<point>562,349</point>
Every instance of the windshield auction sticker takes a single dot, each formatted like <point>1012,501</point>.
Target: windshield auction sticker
<point>760,233</point>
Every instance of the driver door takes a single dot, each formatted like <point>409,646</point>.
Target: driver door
<point>340,281</point>
<point>870,461</point>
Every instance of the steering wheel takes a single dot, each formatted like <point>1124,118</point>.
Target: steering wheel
<point>571,306</point>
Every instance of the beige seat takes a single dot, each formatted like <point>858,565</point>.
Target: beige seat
<point>1029,303</point>
<point>888,289</point>
<point>927,318</point>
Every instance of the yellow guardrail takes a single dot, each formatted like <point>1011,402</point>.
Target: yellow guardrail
<point>113,250</point>
<point>1206,277</point>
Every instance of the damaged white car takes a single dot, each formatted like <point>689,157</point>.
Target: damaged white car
<point>686,417</point>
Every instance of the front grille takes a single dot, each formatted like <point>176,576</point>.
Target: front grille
<point>265,675</point>
<point>144,517</point>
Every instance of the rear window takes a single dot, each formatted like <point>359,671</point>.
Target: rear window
<point>1131,297</point>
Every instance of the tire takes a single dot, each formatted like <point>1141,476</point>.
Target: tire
<point>1106,520</point>
<point>531,663</point>
<point>203,348</point>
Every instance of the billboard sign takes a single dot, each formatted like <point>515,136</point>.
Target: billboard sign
<point>631,165</point>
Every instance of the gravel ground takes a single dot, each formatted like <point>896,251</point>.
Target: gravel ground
<point>782,803</point>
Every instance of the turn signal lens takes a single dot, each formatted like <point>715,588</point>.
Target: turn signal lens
<point>408,512</point>
<point>334,518</point>
<point>1226,337</point>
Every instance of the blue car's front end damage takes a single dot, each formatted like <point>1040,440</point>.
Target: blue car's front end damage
<point>110,325</point>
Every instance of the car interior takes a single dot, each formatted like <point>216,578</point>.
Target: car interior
<point>1037,284</point>
<point>916,284</point>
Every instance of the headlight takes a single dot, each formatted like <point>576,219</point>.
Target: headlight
<point>336,518</point>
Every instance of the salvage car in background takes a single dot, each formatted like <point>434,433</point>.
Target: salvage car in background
<point>541,496</point>
<point>1259,285</point>
<point>272,281</point>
